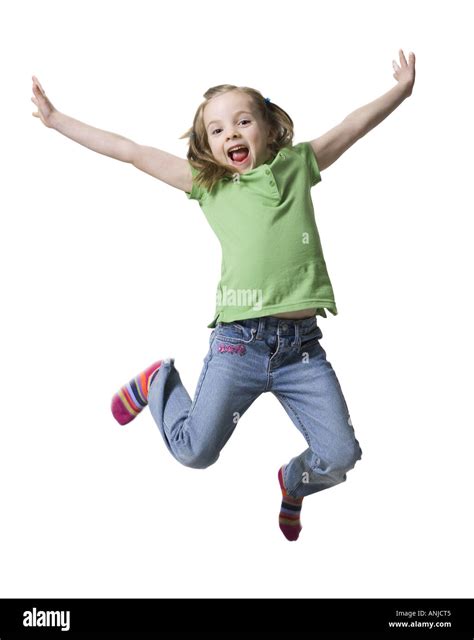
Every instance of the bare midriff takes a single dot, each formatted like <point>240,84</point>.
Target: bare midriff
<point>296,315</point>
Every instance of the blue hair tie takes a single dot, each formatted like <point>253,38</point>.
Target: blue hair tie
<point>267,100</point>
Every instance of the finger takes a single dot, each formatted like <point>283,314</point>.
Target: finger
<point>39,85</point>
<point>395,65</point>
<point>402,58</point>
<point>37,90</point>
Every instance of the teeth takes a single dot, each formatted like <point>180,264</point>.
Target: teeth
<point>241,146</point>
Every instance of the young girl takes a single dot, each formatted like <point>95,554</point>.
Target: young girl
<point>253,186</point>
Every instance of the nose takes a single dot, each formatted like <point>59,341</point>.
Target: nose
<point>231,134</point>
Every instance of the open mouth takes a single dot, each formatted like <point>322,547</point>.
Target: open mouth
<point>239,154</point>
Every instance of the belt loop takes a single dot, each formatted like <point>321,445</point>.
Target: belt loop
<point>260,329</point>
<point>297,342</point>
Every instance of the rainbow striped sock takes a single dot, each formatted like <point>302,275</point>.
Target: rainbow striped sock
<point>133,397</point>
<point>289,517</point>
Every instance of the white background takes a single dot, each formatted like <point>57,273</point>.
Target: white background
<point>105,269</point>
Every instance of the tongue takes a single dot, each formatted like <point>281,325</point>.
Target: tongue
<point>240,155</point>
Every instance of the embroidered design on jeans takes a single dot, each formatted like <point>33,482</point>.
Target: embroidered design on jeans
<point>232,348</point>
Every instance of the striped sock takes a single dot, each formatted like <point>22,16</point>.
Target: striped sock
<point>289,518</point>
<point>133,397</point>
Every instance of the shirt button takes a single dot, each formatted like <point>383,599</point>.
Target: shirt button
<point>282,156</point>
<point>267,171</point>
<point>271,183</point>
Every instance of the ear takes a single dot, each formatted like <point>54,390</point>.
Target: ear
<point>270,135</point>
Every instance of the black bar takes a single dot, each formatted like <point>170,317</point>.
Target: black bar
<point>305,619</point>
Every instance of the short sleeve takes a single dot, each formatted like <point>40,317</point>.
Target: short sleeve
<point>305,151</point>
<point>197,192</point>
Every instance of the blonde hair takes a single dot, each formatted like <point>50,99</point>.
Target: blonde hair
<point>199,152</point>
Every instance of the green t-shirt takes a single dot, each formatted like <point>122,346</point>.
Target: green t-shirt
<point>272,259</point>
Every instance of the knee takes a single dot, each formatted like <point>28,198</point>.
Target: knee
<point>199,459</point>
<point>348,456</point>
<point>342,459</point>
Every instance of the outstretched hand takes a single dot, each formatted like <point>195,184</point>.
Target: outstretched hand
<point>45,108</point>
<point>405,74</point>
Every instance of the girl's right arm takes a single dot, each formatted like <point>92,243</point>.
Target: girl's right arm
<point>159,164</point>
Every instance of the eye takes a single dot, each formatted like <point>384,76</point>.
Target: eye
<point>240,122</point>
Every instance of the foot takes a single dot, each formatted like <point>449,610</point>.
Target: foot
<point>289,518</point>
<point>132,398</point>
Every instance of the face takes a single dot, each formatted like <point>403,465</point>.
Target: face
<point>231,119</point>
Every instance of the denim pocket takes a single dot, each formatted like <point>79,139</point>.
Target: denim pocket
<point>311,338</point>
<point>235,333</point>
<point>212,336</point>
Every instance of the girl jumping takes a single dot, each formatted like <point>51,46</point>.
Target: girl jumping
<point>254,187</point>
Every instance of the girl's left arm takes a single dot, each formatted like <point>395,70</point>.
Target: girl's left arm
<point>330,146</point>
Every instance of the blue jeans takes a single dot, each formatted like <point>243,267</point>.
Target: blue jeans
<point>247,358</point>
